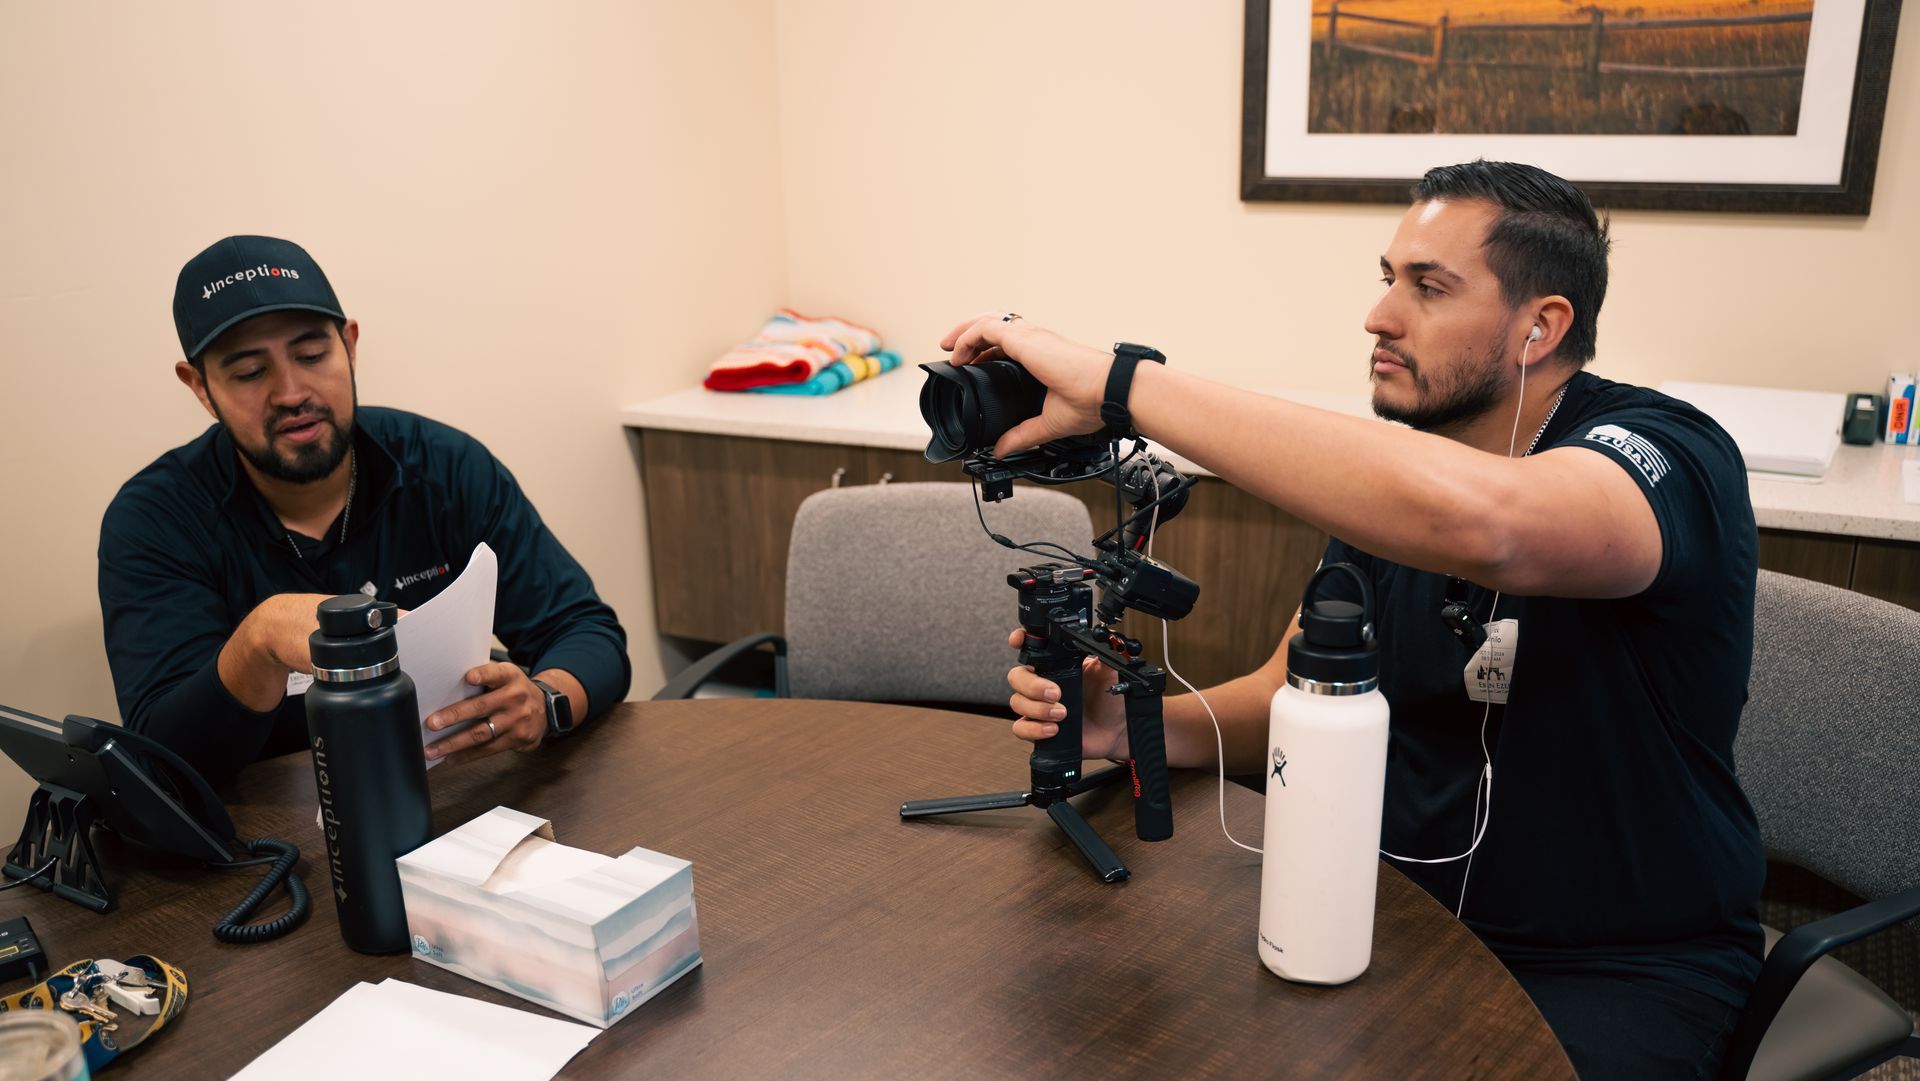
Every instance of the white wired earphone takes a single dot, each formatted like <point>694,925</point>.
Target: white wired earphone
<point>1483,790</point>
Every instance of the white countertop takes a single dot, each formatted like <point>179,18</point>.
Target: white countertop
<point>1859,497</point>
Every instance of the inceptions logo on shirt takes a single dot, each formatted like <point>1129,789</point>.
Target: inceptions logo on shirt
<point>419,576</point>
<point>1652,463</point>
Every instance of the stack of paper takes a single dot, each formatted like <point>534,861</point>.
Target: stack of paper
<point>1777,431</point>
<point>398,1029</point>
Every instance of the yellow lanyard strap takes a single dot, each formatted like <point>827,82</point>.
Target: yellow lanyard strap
<point>102,1041</point>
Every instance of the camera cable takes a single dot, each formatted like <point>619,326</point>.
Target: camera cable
<point>1166,655</point>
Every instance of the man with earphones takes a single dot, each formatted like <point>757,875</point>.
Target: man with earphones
<point>1564,568</point>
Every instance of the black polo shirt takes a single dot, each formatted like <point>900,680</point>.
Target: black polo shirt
<point>1620,843</point>
<point>188,547</point>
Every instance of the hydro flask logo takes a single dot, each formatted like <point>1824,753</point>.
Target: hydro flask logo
<point>1280,763</point>
<point>329,819</point>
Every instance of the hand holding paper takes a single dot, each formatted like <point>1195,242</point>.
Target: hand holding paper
<point>445,638</point>
<point>511,715</point>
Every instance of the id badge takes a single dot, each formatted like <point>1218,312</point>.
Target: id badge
<point>1489,675</point>
<point>298,682</point>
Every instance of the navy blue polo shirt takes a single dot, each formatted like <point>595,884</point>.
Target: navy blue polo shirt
<point>188,547</point>
<point>1621,844</point>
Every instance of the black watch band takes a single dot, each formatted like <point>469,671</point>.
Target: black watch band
<point>1113,410</point>
<point>559,710</point>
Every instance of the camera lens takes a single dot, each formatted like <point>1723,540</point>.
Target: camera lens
<point>969,408</point>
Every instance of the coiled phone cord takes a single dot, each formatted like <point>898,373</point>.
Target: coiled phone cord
<point>233,927</point>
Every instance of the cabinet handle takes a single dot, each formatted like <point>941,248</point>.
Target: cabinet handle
<point>884,478</point>
<point>839,475</point>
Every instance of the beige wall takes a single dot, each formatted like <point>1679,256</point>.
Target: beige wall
<point>1078,162</point>
<point>538,212</point>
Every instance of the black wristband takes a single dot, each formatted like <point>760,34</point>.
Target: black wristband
<point>1113,410</point>
<point>560,720</point>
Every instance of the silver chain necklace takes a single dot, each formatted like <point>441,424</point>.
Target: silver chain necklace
<point>1557,399</point>
<point>353,481</point>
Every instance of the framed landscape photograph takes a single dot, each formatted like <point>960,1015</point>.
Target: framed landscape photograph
<point>1736,105</point>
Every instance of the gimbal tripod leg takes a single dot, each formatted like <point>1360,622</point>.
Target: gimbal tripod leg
<point>946,805</point>
<point>1105,863</point>
<point>1095,779</point>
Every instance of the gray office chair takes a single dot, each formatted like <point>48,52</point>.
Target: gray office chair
<point>895,594</point>
<point>1827,752</point>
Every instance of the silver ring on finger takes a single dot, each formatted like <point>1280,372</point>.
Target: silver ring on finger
<point>492,732</point>
<point>1009,317</point>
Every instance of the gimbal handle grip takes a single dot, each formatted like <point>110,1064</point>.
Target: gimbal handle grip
<point>1147,743</point>
<point>1061,752</point>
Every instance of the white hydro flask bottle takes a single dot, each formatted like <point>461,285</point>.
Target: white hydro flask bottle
<point>1325,782</point>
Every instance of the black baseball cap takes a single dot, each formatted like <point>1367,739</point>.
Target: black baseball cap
<point>243,276</point>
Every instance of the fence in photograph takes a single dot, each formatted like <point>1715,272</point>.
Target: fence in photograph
<point>1596,30</point>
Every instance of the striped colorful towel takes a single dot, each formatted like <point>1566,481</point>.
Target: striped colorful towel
<point>844,372</point>
<point>791,349</point>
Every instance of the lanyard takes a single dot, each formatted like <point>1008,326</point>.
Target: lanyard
<point>99,1037</point>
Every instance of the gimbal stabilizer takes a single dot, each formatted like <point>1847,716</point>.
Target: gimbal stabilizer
<point>1063,626</point>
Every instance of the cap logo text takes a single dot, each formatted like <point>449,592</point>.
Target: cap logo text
<point>247,275</point>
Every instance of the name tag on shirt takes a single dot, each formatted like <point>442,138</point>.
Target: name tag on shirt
<point>1489,675</point>
<point>298,682</point>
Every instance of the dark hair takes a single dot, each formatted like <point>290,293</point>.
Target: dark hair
<point>1547,240</point>
<point>199,363</point>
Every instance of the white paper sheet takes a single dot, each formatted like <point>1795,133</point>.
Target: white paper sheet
<point>399,1029</point>
<point>443,639</point>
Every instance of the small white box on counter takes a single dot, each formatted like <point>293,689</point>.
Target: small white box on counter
<point>584,934</point>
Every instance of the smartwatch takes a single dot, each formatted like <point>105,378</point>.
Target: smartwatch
<point>1113,410</point>
<point>559,711</point>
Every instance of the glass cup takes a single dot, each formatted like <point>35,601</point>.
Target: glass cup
<point>40,1045</point>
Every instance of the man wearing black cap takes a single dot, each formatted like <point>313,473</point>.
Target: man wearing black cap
<point>213,558</point>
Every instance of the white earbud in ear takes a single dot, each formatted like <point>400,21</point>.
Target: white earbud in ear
<point>1534,334</point>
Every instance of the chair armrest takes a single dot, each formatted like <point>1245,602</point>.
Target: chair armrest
<point>699,672</point>
<point>1796,952</point>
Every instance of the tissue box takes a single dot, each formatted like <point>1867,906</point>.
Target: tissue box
<point>581,933</point>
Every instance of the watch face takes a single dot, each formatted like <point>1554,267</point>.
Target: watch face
<point>559,710</point>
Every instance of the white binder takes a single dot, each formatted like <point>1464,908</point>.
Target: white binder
<point>1778,431</point>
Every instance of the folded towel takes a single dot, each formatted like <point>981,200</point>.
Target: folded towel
<point>790,348</point>
<point>844,372</point>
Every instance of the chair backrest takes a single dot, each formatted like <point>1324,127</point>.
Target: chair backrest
<point>894,593</point>
<point>1829,744</point>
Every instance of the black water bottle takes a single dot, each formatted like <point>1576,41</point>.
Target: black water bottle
<point>364,727</point>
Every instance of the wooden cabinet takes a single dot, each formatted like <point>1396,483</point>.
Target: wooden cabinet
<point>1821,557</point>
<point>720,509</point>
<point>1889,570</point>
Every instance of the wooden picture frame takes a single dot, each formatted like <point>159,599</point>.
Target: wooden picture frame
<point>1825,165</point>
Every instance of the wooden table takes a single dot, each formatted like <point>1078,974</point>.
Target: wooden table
<point>842,942</point>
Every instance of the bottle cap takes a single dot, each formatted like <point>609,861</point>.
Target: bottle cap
<point>1336,642</point>
<point>356,632</point>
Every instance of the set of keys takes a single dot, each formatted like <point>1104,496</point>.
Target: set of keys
<point>124,985</point>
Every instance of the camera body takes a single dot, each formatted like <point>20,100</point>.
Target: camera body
<point>967,409</point>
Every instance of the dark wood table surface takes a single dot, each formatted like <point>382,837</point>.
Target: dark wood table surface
<point>839,941</point>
